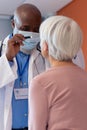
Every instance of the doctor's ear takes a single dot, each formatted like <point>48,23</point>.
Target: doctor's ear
<point>12,23</point>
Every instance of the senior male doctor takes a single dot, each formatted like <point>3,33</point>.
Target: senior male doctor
<point>19,63</point>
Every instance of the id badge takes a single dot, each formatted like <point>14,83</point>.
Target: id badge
<point>21,93</point>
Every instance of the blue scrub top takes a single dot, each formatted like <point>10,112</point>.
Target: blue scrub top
<point>20,107</point>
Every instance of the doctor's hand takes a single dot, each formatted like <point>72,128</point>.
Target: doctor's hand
<point>14,46</point>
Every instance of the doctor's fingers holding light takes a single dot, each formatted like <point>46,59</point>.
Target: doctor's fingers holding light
<point>14,46</point>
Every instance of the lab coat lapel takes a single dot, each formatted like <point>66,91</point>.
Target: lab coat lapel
<point>31,69</point>
<point>7,108</point>
<point>8,100</point>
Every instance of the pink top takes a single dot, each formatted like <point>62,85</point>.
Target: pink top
<point>58,98</point>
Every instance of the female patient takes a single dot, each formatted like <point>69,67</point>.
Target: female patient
<point>58,97</point>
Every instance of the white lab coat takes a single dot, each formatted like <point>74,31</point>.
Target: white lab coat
<point>80,61</point>
<point>8,74</point>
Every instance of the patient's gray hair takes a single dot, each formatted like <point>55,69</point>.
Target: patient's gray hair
<point>63,36</point>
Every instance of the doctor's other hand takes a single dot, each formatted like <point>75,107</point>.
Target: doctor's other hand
<point>14,46</point>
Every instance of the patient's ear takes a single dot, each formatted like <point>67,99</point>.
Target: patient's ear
<point>44,50</point>
<point>45,46</point>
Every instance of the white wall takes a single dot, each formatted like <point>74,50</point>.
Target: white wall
<point>5,28</point>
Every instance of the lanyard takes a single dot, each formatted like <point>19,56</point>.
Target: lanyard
<point>22,70</point>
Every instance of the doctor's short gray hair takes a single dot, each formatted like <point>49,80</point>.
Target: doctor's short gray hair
<point>63,36</point>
